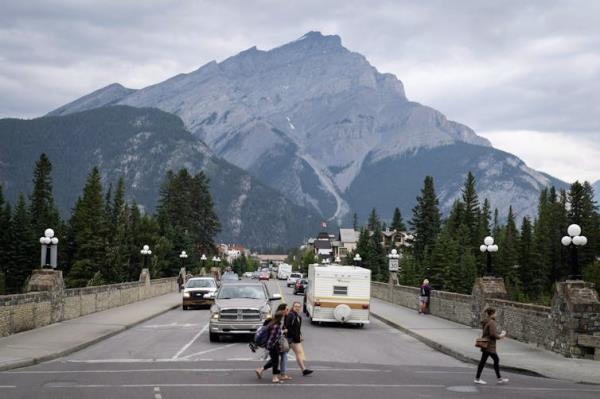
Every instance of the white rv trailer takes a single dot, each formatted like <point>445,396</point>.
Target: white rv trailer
<point>339,294</point>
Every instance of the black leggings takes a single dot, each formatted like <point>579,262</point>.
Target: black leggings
<point>273,361</point>
<point>484,357</point>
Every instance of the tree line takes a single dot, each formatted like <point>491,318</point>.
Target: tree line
<point>446,249</point>
<point>100,241</point>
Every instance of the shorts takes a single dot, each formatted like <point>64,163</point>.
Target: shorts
<point>298,350</point>
<point>424,299</point>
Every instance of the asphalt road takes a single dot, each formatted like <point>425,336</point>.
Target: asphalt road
<point>170,356</point>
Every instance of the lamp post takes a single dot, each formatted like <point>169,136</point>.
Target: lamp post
<point>146,252</point>
<point>489,247</point>
<point>357,259</point>
<point>183,256</point>
<point>49,249</point>
<point>572,241</point>
<point>203,259</point>
<point>394,267</point>
<point>338,260</point>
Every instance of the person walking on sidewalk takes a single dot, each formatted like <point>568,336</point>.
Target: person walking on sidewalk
<point>424,297</point>
<point>490,332</point>
<point>293,324</point>
<point>180,282</point>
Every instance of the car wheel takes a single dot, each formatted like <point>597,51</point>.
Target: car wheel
<point>361,325</point>
<point>213,337</point>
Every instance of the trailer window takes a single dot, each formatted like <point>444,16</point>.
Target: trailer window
<point>340,290</point>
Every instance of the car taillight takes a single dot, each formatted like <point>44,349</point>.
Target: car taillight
<point>365,306</point>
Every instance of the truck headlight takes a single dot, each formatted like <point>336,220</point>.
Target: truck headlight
<point>186,294</point>
<point>265,312</point>
<point>215,316</point>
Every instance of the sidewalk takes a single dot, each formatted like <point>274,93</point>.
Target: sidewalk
<point>458,340</point>
<point>59,339</point>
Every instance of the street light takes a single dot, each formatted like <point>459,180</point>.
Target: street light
<point>146,252</point>
<point>357,259</point>
<point>572,241</point>
<point>338,260</point>
<point>49,249</point>
<point>216,260</point>
<point>203,259</point>
<point>489,247</point>
<point>394,266</point>
<point>183,256</point>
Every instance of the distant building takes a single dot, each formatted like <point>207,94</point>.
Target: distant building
<point>274,259</point>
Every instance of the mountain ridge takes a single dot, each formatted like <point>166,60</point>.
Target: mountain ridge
<point>306,116</point>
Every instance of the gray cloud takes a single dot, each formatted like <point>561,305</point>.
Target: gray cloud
<point>495,66</point>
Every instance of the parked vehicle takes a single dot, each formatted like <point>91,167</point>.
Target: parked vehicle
<point>248,274</point>
<point>293,278</point>
<point>300,286</point>
<point>283,271</point>
<point>239,308</point>
<point>338,294</point>
<point>199,291</point>
<point>264,276</point>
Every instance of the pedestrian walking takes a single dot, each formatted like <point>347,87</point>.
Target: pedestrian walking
<point>489,350</point>
<point>273,346</point>
<point>293,324</point>
<point>284,349</point>
<point>180,282</point>
<point>424,297</point>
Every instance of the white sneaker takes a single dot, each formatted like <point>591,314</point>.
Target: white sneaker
<point>503,380</point>
<point>479,381</point>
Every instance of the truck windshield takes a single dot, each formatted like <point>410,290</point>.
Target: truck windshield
<point>200,284</point>
<point>241,291</point>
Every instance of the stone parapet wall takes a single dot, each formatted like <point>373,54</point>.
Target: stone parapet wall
<point>524,322</point>
<point>36,309</point>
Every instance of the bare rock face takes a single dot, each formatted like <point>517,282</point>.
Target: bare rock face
<point>308,117</point>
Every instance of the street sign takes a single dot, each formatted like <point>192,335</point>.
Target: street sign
<point>394,265</point>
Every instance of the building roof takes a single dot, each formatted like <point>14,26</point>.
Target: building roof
<point>348,235</point>
<point>322,244</point>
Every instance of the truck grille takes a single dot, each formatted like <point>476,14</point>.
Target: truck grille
<point>240,314</point>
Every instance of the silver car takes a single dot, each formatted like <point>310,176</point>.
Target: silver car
<point>239,308</point>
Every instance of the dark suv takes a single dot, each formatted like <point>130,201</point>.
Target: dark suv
<point>300,286</point>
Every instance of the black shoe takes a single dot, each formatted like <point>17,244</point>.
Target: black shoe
<point>307,372</point>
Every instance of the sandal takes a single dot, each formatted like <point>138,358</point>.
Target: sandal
<point>258,373</point>
<point>277,381</point>
<point>285,378</point>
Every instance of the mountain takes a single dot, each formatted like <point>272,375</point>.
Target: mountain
<point>313,119</point>
<point>108,95</point>
<point>141,144</point>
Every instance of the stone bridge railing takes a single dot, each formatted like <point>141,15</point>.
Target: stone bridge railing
<point>571,326</point>
<point>37,309</point>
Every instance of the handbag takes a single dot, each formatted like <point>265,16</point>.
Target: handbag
<point>482,343</point>
<point>284,345</point>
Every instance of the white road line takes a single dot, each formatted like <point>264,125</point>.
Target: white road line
<point>186,346</point>
<point>156,389</point>
<point>208,351</point>
<point>7,386</point>
<point>193,370</point>
<point>157,394</point>
<point>254,385</point>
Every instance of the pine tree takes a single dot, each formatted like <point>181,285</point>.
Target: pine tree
<point>444,257</point>
<point>470,217</point>
<point>42,210</point>
<point>117,250</point>
<point>355,221</point>
<point>426,221</point>
<point>397,222</point>
<point>88,236</point>
<point>532,280</point>
<point>508,255</point>
<point>23,244</point>
<point>485,217</point>
<point>5,216</point>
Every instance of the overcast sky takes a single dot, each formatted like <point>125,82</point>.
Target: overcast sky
<point>525,74</point>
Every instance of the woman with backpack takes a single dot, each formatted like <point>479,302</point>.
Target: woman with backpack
<point>490,334</point>
<point>277,353</point>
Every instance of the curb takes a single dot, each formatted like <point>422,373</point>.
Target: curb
<point>37,360</point>
<point>450,352</point>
